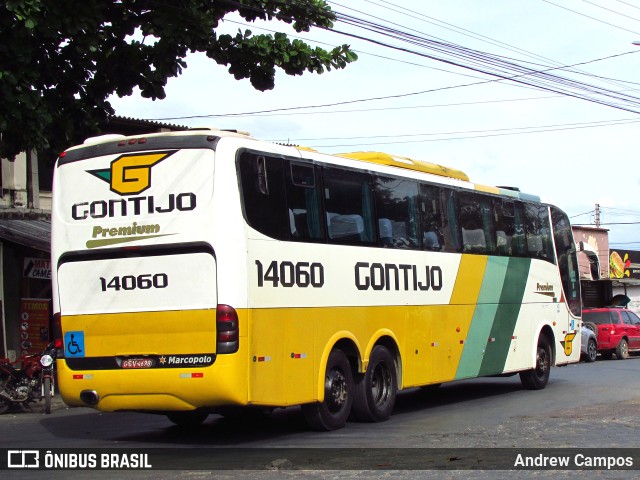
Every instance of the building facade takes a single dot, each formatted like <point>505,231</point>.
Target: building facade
<point>606,272</point>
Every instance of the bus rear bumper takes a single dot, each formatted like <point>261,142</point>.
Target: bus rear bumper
<point>150,402</point>
<point>151,390</point>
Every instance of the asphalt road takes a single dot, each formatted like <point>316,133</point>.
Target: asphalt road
<point>585,406</point>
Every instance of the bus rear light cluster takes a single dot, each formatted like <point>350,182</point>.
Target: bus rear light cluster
<point>228,332</point>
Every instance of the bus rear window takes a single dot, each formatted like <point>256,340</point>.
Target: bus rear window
<point>264,202</point>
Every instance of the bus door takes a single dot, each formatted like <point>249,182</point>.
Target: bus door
<point>567,261</point>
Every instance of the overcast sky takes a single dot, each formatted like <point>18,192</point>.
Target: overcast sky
<point>570,151</point>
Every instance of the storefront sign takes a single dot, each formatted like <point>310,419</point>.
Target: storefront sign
<point>37,268</point>
<point>34,325</point>
<point>624,264</point>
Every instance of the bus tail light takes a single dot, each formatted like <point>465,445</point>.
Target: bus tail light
<point>228,332</point>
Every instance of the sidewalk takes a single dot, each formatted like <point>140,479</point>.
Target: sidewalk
<point>36,408</point>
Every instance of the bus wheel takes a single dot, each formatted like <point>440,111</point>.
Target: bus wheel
<point>332,413</point>
<point>537,378</point>
<point>188,418</point>
<point>375,391</point>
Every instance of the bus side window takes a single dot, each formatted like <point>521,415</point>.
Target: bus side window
<point>538,232</point>
<point>518,241</point>
<point>433,221</point>
<point>451,223</point>
<point>263,200</point>
<point>348,200</point>
<point>473,234</point>
<point>397,209</point>
<point>303,202</point>
<point>504,211</point>
<point>488,226</point>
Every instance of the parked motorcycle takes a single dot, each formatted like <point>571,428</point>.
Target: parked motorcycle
<point>32,382</point>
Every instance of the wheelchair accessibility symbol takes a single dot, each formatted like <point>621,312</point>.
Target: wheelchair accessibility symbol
<point>74,344</point>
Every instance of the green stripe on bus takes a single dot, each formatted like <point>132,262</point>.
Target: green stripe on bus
<point>504,324</point>
<point>483,317</point>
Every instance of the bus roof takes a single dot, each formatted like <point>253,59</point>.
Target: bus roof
<point>382,158</point>
<point>378,158</point>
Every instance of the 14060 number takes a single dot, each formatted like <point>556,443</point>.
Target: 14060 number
<point>289,274</point>
<point>131,282</point>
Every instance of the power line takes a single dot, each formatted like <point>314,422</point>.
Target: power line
<point>361,52</point>
<point>542,130</point>
<point>592,18</point>
<point>491,65</point>
<point>483,38</point>
<point>411,107</point>
<point>540,79</point>
<point>636,212</point>
<point>628,4</point>
<point>581,214</point>
<point>475,59</point>
<point>614,81</point>
<point>610,10</point>
<point>386,97</point>
<point>564,125</point>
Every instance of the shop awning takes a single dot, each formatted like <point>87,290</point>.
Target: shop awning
<point>33,233</point>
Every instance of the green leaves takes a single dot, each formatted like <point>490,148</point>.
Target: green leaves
<point>60,60</point>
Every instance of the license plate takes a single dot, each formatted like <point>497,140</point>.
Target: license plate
<point>137,363</point>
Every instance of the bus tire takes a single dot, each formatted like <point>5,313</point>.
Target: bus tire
<point>537,377</point>
<point>332,413</point>
<point>188,418</point>
<point>375,390</point>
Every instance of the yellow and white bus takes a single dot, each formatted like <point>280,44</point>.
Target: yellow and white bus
<point>205,269</point>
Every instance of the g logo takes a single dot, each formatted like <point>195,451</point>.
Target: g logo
<point>568,343</point>
<point>131,174</point>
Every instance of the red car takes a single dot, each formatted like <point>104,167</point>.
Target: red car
<point>617,330</point>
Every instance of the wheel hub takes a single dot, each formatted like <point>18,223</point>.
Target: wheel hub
<point>336,390</point>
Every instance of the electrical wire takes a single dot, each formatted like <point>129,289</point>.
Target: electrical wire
<point>610,10</point>
<point>581,214</point>
<point>541,130</point>
<point>592,18</point>
<point>496,66</point>
<point>628,4</point>
<point>500,68</point>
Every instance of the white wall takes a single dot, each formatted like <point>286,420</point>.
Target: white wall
<point>633,292</point>
<point>14,182</point>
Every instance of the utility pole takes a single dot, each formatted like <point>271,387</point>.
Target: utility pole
<point>597,215</point>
